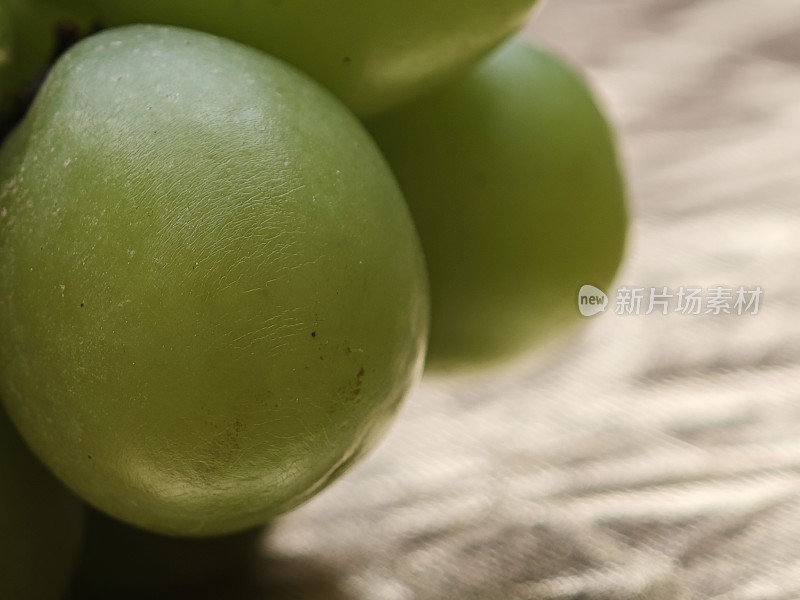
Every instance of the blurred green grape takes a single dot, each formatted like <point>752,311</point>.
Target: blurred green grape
<point>371,54</point>
<point>121,561</point>
<point>513,182</point>
<point>32,33</point>
<point>41,524</point>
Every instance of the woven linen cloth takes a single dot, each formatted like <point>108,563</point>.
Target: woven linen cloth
<point>648,456</point>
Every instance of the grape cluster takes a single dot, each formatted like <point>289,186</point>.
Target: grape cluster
<point>232,238</point>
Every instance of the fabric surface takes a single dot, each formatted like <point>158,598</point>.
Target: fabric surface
<point>649,456</point>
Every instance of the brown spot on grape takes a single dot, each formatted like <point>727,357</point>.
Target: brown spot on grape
<point>352,389</point>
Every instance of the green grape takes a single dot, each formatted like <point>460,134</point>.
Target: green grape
<point>513,183</point>
<point>371,54</point>
<point>41,524</point>
<point>212,296</point>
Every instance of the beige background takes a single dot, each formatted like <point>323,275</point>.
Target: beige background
<point>651,457</point>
